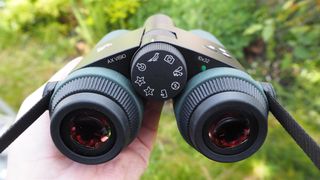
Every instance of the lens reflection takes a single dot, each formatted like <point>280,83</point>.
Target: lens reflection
<point>89,128</point>
<point>229,132</point>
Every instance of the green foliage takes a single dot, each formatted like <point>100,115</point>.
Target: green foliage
<point>46,20</point>
<point>277,41</point>
<point>279,158</point>
<point>292,60</point>
<point>91,16</point>
<point>293,26</point>
<point>225,19</point>
<point>24,69</point>
<point>40,19</point>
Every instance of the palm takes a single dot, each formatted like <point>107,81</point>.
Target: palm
<point>34,156</point>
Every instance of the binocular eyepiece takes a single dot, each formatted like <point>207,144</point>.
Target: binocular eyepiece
<point>97,110</point>
<point>223,114</point>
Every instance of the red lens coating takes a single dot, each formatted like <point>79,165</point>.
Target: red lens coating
<point>90,129</point>
<point>229,132</point>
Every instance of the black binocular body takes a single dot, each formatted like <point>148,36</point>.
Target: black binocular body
<point>97,110</point>
<point>220,110</point>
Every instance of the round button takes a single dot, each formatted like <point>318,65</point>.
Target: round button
<point>158,71</point>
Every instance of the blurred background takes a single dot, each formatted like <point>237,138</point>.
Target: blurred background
<point>276,40</point>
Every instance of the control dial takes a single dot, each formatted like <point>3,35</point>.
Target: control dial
<point>158,71</point>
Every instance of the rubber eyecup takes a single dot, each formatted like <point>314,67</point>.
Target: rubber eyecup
<point>96,102</point>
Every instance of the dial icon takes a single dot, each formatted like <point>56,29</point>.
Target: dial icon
<point>175,85</point>
<point>141,66</point>
<point>177,72</point>
<point>140,81</point>
<point>149,91</point>
<point>158,71</point>
<point>163,93</point>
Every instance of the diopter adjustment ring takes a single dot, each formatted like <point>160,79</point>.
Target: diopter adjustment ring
<point>99,85</point>
<point>211,87</point>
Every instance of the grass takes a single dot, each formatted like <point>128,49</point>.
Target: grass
<point>26,62</point>
<point>21,72</point>
<point>279,157</point>
<point>26,67</point>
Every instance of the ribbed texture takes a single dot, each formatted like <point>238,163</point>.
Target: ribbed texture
<point>158,47</point>
<point>302,138</point>
<point>211,87</point>
<point>105,87</point>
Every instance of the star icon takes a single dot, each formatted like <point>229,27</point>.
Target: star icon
<point>149,91</point>
<point>140,81</point>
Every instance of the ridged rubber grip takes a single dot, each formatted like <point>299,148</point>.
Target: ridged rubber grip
<point>212,87</point>
<point>103,86</point>
<point>157,47</point>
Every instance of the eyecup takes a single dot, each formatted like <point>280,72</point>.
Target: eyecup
<point>99,103</point>
<point>224,102</point>
<point>100,89</point>
<point>237,91</point>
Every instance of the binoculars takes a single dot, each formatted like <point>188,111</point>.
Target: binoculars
<point>220,110</point>
<point>97,110</point>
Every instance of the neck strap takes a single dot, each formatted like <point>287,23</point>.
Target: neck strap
<point>27,119</point>
<point>302,138</point>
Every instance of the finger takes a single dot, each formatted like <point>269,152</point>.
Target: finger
<point>149,127</point>
<point>36,95</point>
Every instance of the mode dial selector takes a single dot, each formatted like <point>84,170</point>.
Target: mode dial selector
<point>158,71</point>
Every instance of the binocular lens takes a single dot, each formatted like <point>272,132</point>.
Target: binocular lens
<point>90,128</point>
<point>88,132</point>
<point>223,113</point>
<point>229,132</point>
<point>94,114</point>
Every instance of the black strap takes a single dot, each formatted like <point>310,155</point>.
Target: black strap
<point>27,119</point>
<point>306,143</point>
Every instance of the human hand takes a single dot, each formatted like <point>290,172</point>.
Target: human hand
<point>34,156</point>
